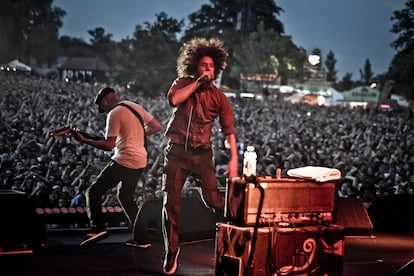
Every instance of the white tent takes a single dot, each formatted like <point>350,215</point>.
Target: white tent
<point>19,66</point>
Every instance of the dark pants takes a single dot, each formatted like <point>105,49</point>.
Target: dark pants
<point>113,175</point>
<point>179,164</point>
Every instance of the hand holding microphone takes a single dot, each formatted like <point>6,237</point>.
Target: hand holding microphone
<point>205,78</point>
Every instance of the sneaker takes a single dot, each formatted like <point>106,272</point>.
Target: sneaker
<point>170,263</point>
<point>93,238</point>
<point>133,243</point>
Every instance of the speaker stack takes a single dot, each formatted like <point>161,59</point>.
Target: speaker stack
<point>20,231</point>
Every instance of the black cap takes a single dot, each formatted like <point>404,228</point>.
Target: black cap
<point>102,93</point>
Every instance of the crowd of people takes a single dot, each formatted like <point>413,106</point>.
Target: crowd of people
<point>374,150</point>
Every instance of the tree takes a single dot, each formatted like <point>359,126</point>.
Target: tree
<point>102,44</point>
<point>402,66</point>
<point>261,11</point>
<point>233,21</point>
<point>270,55</point>
<point>29,29</point>
<point>366,73</point>
<point>72,46</point>
<point>147,62</point>
<point>229,16</point>
<point>330,67</point>
<point>346,83</point>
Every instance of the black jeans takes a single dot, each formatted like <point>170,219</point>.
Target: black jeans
<point>113,175</point>
<point>180,163</point>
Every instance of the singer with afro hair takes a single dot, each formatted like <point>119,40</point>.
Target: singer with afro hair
<point>196,102</point>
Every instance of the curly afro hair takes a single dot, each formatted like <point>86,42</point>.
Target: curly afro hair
<point>193,50</point>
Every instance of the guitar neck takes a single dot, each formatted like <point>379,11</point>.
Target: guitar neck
<point>68,130</point>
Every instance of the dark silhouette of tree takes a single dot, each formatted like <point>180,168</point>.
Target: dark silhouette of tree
<point>366,73</point>
<point>233,21</point>
<point>270,55</point>
<point>402,66</point>
<point>147,62</point>
<point>74,47</point>
<point>330,63</point>
<point>346,83</point>
<point>228,17</point>
<point>29,30</point>
<point>102,44</point>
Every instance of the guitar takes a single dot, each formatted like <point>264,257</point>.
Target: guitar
<point>69,129</point>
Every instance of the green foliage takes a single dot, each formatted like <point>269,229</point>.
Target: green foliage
<point>233,21</point>
<point>147,62</point>
<point>330,67</point>
<point>269,54</point>
<point>29,29</point>
<point>75,47</point>
<point>102,44</point>
<point>402,65</point>
<point>401,72</point>
<point>250,29</point>
<point>366,73</point>
<point>345,84</point>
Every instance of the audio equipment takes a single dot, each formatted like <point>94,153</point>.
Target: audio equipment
<point>20,232</point>
<point>309,250</point>
<point>264,200</point>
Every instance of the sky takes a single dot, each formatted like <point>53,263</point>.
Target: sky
<point>354,30</point>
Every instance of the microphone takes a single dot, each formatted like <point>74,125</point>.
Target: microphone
<point>203,79</point>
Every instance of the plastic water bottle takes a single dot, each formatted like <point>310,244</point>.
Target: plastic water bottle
<point>249,161</point>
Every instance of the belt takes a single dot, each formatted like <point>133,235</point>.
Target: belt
<point>188,148</point>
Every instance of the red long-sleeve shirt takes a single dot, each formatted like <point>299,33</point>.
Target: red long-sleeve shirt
<point>191,122</point>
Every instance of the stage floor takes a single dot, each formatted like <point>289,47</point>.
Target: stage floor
<point>381,254</point>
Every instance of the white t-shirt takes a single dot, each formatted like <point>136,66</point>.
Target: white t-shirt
<point>129,149</point>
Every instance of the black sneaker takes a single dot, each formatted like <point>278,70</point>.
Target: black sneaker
<point>93,238</point>
<point>133,243</point>
<point>170,263</point>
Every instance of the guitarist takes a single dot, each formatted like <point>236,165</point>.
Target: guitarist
<point>124,133</point>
